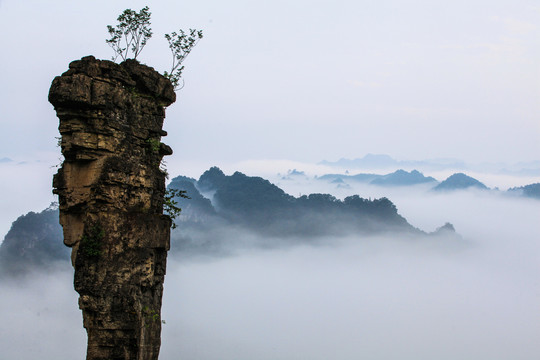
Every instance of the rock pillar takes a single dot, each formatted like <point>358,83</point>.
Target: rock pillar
<point>111,189</point>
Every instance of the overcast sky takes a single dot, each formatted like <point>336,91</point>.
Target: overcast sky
<point>306,81</point>
<point>301,80</point>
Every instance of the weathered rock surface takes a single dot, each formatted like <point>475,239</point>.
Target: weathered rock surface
<point>111,189</point>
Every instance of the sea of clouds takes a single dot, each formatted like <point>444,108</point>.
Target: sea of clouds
<point>344,298</point>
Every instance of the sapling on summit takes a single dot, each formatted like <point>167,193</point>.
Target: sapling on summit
<point>181,45</point>
<point>133,31</point>
<point>131,34</point>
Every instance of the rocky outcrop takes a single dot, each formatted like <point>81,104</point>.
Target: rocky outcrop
<point>111,190</point>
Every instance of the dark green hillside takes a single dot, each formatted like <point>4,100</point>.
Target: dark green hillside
<point>211,179</point>
<point>196,204</point>
<point>222,212</point>
<point>256,204</point>
<point>250,200</point>
<point>34,240</point>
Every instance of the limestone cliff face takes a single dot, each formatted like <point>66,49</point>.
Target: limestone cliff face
<point>110,190</point>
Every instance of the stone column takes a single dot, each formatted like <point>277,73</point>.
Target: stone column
<point>111,190</point>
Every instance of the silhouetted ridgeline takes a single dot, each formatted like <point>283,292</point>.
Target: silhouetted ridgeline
<point>532,190</point>
<point>238,201</point>
<point>34,240</point>
<point>224,212</point>
<point>381,161</point>
<point>459,181</point>
<point>257,204</point>
<point>397,178</point>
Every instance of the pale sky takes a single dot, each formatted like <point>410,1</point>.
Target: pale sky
<point>308,80</point>
<point>300,80</point>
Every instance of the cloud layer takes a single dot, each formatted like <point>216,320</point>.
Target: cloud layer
<point>376,298</point>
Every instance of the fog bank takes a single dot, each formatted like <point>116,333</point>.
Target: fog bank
<point>347,298</point>
<point>373,298</point>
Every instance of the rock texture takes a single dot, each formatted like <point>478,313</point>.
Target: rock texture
<point>111,190</point>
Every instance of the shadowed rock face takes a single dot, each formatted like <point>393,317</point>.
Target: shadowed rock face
<point>111,191</point>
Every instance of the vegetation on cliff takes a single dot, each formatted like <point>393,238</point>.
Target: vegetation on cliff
<point>132,33</point>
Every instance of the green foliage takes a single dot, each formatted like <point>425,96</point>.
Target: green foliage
<point>181,44</point>
<point>91,241</point>
<point>153,144</point>
<point>170,205</point>
<point>151,315</point>
<point>131,33</point>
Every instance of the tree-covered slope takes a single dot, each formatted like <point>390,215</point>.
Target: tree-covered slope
<point>34,240</point>
<point>259,205</point>
<point>222,209</point>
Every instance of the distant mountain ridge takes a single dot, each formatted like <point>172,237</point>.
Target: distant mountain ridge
<point>397,178</point>
<point>531,190</point>
<point>245,208</point>
<point>455,182</point>
<point>459,181</point>
<point>255,203</point>
<point>383,161</point>
<point>224,211</point>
